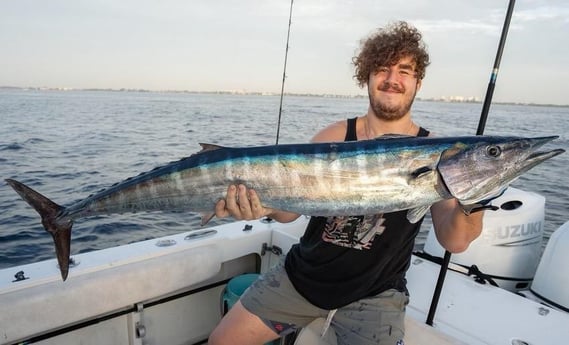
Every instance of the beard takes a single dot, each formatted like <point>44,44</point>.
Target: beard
<point>391,112</point>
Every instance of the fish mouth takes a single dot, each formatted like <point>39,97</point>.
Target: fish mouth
<point>536,157</point>
<point>540,141</point>
<point>541,156</point>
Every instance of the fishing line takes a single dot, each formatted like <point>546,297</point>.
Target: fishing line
<point>284,74</point>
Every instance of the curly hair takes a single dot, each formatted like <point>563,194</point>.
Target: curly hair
<point>386,47</point>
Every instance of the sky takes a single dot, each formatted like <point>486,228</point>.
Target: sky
<point>239,45</point>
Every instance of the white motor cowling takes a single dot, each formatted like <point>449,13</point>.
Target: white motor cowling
<point>509,246</point>
<point>551,280</point>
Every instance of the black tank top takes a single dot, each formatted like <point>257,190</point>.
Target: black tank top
<point>340,260</point>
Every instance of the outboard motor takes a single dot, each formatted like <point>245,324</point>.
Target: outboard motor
<point>551,280</point>
<point>509,247</point>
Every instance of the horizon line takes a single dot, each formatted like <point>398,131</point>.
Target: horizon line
<point>446,99</point>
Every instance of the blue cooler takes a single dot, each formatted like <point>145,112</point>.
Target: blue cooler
<point>235,288</point>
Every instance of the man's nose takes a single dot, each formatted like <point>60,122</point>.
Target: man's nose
<point>392,76</point>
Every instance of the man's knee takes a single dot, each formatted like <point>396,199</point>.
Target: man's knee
<point>239,326</point>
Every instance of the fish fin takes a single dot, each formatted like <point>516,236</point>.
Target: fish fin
<point>209,147</point>
<point>415,214</point>
<point>60,229</point>
<point>472,208</point>
<point>206,217</point>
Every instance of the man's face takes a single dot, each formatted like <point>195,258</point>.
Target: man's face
<point>392,89</point>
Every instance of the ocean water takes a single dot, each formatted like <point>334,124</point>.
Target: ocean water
<point>69,144</point>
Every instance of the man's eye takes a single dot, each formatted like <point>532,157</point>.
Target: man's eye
<point>404,72</point>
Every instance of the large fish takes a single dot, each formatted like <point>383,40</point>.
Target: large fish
<point>320,179</point>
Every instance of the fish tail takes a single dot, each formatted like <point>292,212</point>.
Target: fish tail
<point>58,227</point>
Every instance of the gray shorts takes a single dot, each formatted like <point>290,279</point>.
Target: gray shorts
<point>373,320</point>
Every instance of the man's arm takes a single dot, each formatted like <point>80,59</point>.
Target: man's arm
<point>454,229</point>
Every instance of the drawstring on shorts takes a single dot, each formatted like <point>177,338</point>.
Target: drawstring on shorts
<point>329,318</point>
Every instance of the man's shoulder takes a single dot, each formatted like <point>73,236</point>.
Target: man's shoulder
<point>333,132</point>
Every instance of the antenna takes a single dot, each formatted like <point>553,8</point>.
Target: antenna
<point>284,74</point>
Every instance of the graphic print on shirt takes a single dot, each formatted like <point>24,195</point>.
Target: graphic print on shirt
<point>356,232</point>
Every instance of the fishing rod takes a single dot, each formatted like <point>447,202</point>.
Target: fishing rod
<point>494,75</point>
<point>479,131</point>
<point>284,74</point>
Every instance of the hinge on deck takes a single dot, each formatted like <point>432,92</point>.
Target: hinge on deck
<point>273,249</point>
<point>136,327</point>
<point>139,328</point>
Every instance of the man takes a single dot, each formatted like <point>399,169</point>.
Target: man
<point>353,265</point>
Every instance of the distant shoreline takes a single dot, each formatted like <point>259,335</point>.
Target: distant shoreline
<point>256,93</point>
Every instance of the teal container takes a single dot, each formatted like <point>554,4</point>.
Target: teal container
<point>235,288</point>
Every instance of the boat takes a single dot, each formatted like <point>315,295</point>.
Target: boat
<point>175,289</point>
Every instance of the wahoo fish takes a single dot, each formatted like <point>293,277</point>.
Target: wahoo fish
<point>386,174</point>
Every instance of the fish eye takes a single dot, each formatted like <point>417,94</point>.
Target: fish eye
<point>493,151</point>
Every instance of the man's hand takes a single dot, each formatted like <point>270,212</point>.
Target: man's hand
<point>242,204</point>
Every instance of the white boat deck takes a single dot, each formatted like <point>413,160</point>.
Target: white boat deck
<point>174,292</point>
<point>483,314</point>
